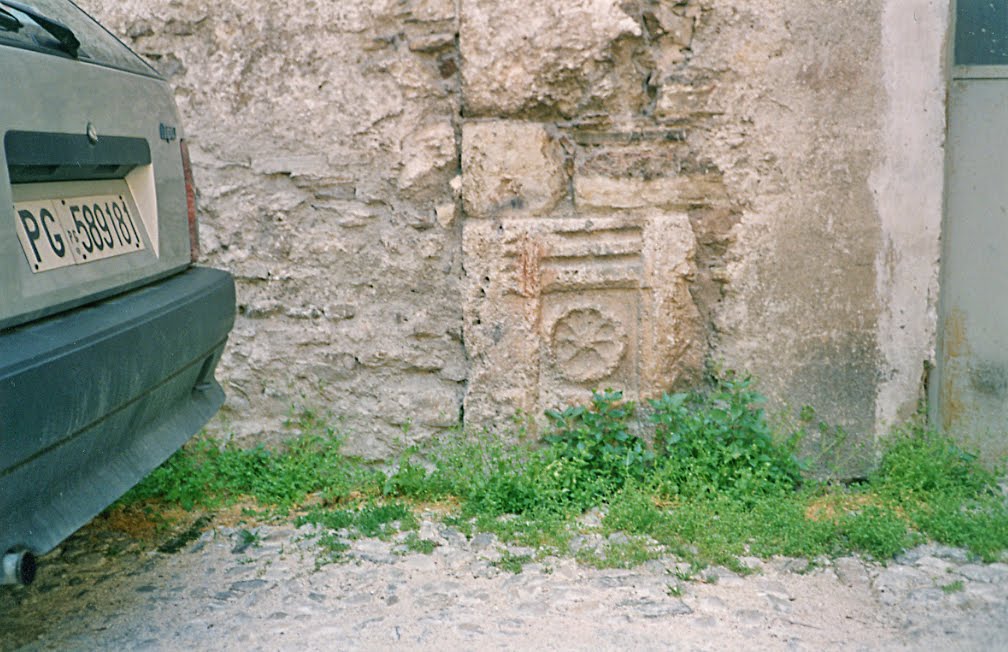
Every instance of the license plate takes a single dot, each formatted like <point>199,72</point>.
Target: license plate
<point>57,233</point>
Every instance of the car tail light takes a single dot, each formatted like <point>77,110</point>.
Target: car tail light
<point>190,189</point>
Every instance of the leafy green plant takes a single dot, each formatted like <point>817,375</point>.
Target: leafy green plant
<point>410,478</point>
<point>922,462</point>
<point>627,554</point>
<point>835,447</point>
<point>979,524</point>
<point>683,575</point>
<point>487,474</point>
<point>333,549</point>
<point>719,441</point>
<point>878,531</point>
<point>247,539</point>
<point>544,530</point>
<point>944,491</point>
<point>596,439</point>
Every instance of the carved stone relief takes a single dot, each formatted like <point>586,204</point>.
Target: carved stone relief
<point>559,307</point>
<point>588,344</point>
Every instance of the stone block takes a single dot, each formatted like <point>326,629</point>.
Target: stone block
<point>661,20</point>
<point>445,214</point>
<point>559,307</point>
<point>426,151</point>
<point>510,168</point>
<point>677,101</point>
<point>432,10</point>
<point>676,192</point>
<point>522,55</point>
<point>323,165</point>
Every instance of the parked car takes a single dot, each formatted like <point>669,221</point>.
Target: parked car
<point>109,334</point>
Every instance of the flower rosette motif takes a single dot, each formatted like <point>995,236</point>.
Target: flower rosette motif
<point>588,344</point>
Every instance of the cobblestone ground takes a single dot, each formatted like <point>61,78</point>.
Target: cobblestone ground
<point>101,590</point>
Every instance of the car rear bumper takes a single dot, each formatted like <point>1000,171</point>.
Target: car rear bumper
<point>139,372</point>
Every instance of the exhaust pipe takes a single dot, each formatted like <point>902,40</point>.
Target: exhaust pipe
<point>18,567</point>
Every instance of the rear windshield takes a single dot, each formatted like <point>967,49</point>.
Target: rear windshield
<point>98,45</point>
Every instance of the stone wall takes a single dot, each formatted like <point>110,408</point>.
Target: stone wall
<point>324,140</point>
<point>442,212</point>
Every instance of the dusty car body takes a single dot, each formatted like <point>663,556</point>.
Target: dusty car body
<point>109,334</point>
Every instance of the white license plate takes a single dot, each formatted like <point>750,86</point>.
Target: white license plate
<point>56,233</point>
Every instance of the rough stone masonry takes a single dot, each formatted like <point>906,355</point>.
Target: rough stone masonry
<point>446,211</point>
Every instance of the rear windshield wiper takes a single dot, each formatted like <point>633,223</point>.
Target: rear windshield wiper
<point>67,39</point>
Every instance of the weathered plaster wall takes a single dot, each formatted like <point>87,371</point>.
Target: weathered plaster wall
<point>440,210</point>
<point>838,111</point>
<point>834,275</point>
<point>907,185</point>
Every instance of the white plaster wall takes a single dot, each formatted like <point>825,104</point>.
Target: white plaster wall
<point>908,187</point>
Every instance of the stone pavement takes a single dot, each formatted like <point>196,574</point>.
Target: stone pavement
<point>225,591</point>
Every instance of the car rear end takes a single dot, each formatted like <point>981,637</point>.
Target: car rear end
<point>109,336</point>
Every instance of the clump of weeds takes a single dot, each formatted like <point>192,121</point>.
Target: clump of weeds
<point>413,543</point>
<point>210,474</point>
<point>380,520</point>
<point>953,587</point>
<point>513,563</point>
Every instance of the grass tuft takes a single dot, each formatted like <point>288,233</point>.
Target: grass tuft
<point>208,474</point>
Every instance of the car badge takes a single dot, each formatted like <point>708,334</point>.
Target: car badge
<point>92,134</point>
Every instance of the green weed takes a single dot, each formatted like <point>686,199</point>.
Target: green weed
<point>683,574</point>
<point>411,479</point>
<point>877,531</point>
<point>249,538</point>
<point>595,442</point>
<point>246,539</point>
<point>371,520</point>
<point>953,587</point>
<point>923,463</point>
<point>511,562</point>
<point>207,474</point>
<point>414,543</point>
<point>944,492</point>
<point>486,474</point>
<point>719,442</point>
<point>627,554</point>
<point>333,549</point>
